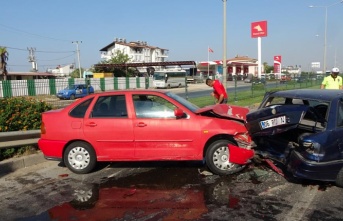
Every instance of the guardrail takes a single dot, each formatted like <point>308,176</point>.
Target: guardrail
<point>19,138</point>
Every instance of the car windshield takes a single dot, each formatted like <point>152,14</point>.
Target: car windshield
<point>71,87</point>
<point>192,107</point>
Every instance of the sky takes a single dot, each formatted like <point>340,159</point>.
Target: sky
<point>296,32</point>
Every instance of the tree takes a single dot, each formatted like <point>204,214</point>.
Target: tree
<point>3,61</point>
<point>267,68</point>
<point>119,58</point>
<point>76,73</point>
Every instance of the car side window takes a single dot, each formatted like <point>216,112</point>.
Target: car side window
<point>118,106</point>
<point>151,106</point>
<point>101,107</point>
<point>110,106</point>
<point>80,110</point>
<point>340,114</point>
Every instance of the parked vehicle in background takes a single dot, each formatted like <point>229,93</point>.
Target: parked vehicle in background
<point>193,76</point>
<point>248,80</point>
<point>302,131</point>
<point>169,78</point>
<point>145,125</point>
<point>75,91</point>
<point>284,78</point>
<point>301,79</point>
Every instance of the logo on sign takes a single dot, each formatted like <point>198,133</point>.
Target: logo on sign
<point>259,29</point>
<point>277,64</point>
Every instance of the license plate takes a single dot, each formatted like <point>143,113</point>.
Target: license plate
<point>273,122</point>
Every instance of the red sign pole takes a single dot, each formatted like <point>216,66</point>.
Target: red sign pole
<point>258,30</point>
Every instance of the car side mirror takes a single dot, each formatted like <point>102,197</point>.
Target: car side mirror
<point>178,113</point>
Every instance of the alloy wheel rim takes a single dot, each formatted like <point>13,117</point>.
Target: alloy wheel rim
<point>79,158</point>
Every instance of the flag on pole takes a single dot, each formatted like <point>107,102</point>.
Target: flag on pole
<point>210,50</point>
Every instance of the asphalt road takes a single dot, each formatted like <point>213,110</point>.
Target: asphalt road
<point>163,191</point>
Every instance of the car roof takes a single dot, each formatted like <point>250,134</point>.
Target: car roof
<point>316,94</point>
<point>138,91</point>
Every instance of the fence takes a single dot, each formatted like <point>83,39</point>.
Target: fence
<point>34,87</point>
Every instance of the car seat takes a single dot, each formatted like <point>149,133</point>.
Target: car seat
<point>103,108</point>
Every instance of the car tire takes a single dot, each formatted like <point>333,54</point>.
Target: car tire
<point>339,179</point>
<point>217,159</point>
<point>85,196</point>
<point>218,193</point>
<point>80,157</point>
<point>72,97</point>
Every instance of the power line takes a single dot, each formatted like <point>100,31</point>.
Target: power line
<point>57,58</point>
<point>41,36</point>
<point>21,49</point>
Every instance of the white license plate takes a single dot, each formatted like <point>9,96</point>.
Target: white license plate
<point>273,122</point>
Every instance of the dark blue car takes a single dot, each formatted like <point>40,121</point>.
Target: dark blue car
<point>301,130</point>
<point>75,91</point>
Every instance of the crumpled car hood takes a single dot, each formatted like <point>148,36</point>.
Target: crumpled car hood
<point>293,115</point>
<point>225,111</point>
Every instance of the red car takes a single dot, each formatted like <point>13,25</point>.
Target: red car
<point>145,125</point>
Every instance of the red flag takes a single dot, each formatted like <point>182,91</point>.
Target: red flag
<point>210,50</point>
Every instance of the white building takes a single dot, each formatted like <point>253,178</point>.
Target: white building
<point>296,71</point>
<point>138,51</point>
<point>61,71</point>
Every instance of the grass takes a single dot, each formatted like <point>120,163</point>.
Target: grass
<point>252,98</point>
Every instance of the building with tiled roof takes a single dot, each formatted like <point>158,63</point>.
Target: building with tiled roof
<point>240,66</point>
<point>138,51</point>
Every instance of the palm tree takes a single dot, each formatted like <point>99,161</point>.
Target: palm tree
<point>3,63</point>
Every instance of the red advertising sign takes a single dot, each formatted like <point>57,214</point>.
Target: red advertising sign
<point>259,29</point>
<point>277,64</point>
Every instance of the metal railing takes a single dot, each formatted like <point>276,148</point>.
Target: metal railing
<point>19,138</point>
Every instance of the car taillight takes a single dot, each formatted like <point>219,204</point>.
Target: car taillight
<point>42,128</point>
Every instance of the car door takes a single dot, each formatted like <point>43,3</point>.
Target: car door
<point>159,135</point>
<point>337,134</point>
<point>110,131</point>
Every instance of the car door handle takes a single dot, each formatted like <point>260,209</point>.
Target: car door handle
<point>91,124</point>
<point>141,124</point>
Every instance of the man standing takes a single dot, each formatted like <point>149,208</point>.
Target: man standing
<point>219,92</point>
<point>333,81</point>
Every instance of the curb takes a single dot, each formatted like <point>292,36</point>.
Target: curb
<point>11,165</point>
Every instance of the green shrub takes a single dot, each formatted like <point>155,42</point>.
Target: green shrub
<point>20,113</point>
<point>17,114</point>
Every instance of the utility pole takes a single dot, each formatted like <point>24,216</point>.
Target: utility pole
<point>32,59</point>
<point>78,55</point>
<point>224,46</point>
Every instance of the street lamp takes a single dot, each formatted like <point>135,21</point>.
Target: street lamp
<point>224,45</point>
<point>326,24</point>
<point>78,55</point>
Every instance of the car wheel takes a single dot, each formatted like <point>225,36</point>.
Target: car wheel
<point>85,196</point>
<point>80,157</point>
<point>218,193</point>
<point>72,97</point>
<point>168,86</point>
<point>217,159</point>
<point>339,179</point>
<point>180,85</point>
